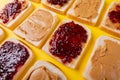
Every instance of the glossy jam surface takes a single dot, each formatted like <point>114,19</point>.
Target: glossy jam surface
<point>10,11</point>
<point>114,15</point>
<point>12,57</point>
<point>58,2</point>
<point>67,41</point>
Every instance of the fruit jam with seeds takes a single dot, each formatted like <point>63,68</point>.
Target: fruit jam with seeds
<point>12,57</point>
<point>114,15</point>
<point>58,2</point>
<point>10,11</point>
<point>67,41</point>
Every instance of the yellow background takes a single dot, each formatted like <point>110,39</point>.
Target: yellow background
<point>72,74</point>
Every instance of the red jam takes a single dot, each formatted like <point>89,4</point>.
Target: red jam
<point>10,11</point>
<point>67,41</point>
<point>58,2</point>
<point>12,57</point>
<point>114,16</point>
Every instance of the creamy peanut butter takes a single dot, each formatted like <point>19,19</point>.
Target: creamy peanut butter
<point>108,22</point>
<point>37,25</point>
<point>106,62</point>
<point>87,8</point>
<point>42,73</point>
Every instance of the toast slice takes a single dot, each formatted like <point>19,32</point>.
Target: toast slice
<point>15,57</point>
<point>2,34</point>
<point>37,27</point>
<point>49,66</point>
<point>36,1</point>
<point>107,70</point>
<point>22,8</point>
<point>74,61</point>
<point>108,24</point>
<point>59,7</point>
<point>86,12</point>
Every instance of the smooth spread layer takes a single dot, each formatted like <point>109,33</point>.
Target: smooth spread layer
<point>106,62</point>
<point>87,8</point>
<point>113,18</point>
<point>42,73</point>
<point>37,25</point>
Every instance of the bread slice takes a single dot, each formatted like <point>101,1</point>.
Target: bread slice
<point>19,18</point>
<point>99,42</point>
<point>57,8</point>
<point>36,1</point>
<point>49,66</point>
<point>28,61</point>
<point>75,61</point>
<point>2,34</point>
<point>106,28</point>
<point>92,21</point>
<point>41,41</point>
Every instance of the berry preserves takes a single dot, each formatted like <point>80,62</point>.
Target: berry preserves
<point>114,15</point>
<point>58,2</point>
<point>67,42</point>
<point>12,57</point>
<point>11,10</point>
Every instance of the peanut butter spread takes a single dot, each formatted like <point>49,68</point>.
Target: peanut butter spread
<point>42,73</point>
<point>37,25</point>
<point>87,8</point>
<point>113,19</point>
<point>106,62</point>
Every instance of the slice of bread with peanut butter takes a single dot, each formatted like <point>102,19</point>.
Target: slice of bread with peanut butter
<point>104,62</point>
<point>86,11</point>
<point>37,27</point>
<point>43,70</point>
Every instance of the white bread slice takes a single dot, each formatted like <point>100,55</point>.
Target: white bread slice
<point>75,61</point>
<point>71,14</point>
<point>19,18</point>
<point>22,68</point>
<point>36,1</point>
<point>42,41</point>
<point>2,34</point>
<point>99,42</point>
<point>61,10</point>
<point>108,29</point>
<point>48,66</point>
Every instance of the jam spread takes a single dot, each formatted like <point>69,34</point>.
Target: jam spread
<point>114,15</point>
<point>67,41</point>
<point>11,10</point>
<point>12,57</point>
<point>58,2</point>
